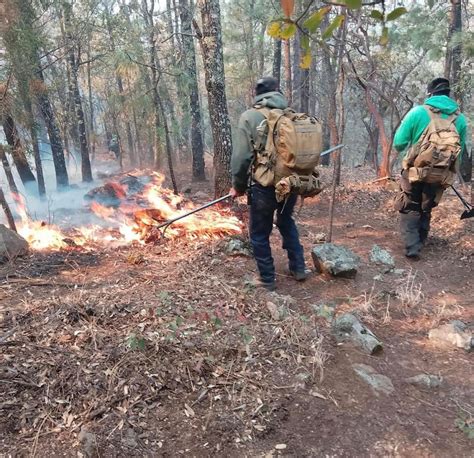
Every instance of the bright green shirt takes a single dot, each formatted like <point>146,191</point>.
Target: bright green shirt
<point>417,119</point>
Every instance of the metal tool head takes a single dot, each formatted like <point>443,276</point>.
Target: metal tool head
<point>468,214</point>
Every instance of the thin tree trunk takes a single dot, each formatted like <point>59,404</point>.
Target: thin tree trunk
<point>92,138</point>
<point>17,152</point>
<point>211,45</point>
<point>197,146</point>
<point>8,171</point>
<point>277,59</point>
<point>287,65</point>
<point>6,209</point>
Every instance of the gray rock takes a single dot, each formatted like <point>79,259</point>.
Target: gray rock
<point>88,443</point>
<point>12,245</point>
<point>238,247</point>
<point>452,334</point>
<point>382,257</point>
<point>349,327</point>
<point>378,382</point>
<point>320,237</point>
<point>336,260</point>
<point>399,271</point>
<point>425,380</point>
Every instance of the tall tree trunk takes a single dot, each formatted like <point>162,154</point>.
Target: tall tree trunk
<point>197,146</point>
<point>54,134</point>
<point>76,96</point>
<point>6,209</point>
<point>92,138</point>
<point>453,61</point>
<point>276,69</point>
<point>35,146</point>
<point>296,73</point>
<point>18,154</point>
<point>8,171</point>
<point>211,45</point>
<point>287,65</point>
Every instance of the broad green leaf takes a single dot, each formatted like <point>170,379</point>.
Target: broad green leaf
<point>396,13</point>
<point>384,38</point>
<point>312,23</point>
<point>353,4</point>
<point>304,42</point>
<point>305,63</point>
<point>337,22</point>
<point>288,31</point>
<point>375,14</point>
<point>274,29</point>
<point>287,6</point>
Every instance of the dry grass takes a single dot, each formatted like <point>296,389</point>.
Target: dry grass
<point>410,292</point>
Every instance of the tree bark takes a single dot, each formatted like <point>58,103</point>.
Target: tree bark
<point>287,65</point>
<point>453,61</point>
<point>6,209</point>
<point>76,96</point>
<point>197,146</point>
<point>35,146</point>
<point>211,46</point>
<point>277,60</point>
<point>62,179</point>
<point>8,171</point>
<point>18,154</point>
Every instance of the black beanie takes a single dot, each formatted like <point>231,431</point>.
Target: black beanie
<point>266,84</point>
<point>438,85</point>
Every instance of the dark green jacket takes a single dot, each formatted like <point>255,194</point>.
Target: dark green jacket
<point>417,119</point>
<point>246,135</point>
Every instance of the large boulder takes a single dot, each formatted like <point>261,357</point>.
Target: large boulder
<point>11,244</point>
<point>335,260</point>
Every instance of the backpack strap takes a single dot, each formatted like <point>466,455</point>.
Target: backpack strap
<point>434,113</point>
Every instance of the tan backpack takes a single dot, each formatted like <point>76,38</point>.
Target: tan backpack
<point>433,159</point>
<point>287,150</point>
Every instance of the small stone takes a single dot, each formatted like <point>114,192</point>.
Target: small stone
<point>399,271</point>
<point>425,380</point>
<point>88,442</point>
<point>451,334</point>
<point>378,382</point>
<point>320,237</point>
<point>274,311</point>
<point>280,446</point>
<point>350,224</point>
<point>336,260</point>
<point>12,245</point>
<point>238,247</point>
<point>325,310</point>
<point>383,257</point>
<point>378,277</point>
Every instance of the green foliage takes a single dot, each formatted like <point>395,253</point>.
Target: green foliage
<point>353,4</point>
<point>314,20</point>
<point>384,37</point>
<point>135,342</point>
<point>336,22</point>
<point>377,15</point>
<point>465,423</point>
<point>396,13</point>
<point>288,31</point>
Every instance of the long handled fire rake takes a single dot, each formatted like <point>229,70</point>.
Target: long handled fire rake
<point>167,223</point>
<point>469,212</point>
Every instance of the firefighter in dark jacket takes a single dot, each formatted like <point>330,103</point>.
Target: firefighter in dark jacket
<point>417,199</point>
<point>263,203</point>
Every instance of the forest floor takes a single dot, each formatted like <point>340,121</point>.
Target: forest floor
<point>166,350</point>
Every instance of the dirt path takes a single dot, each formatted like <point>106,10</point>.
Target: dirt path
<point>165,351</point>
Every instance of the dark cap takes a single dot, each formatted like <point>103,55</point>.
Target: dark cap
<point>438,85</point>
<point>266,84</point>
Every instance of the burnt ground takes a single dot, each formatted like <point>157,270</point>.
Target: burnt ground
<point>165,350</point>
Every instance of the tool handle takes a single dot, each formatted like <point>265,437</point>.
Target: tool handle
<point>202,207</point>
<point>461,198</point>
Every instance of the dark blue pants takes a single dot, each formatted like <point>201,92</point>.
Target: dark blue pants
<point>262,209</point>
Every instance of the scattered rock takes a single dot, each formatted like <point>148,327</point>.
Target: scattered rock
<point>238,247</point>
<point>88,443</point>
<point>450,334</point>
<point>378,277</point>
<point>399,271</point>
<point>348,327</point>
<point>336,260</point>
<point>277,313</point>
<point>378,382</point>
<point>382,257</point>
<point>350,224</point>
<point>320,237</point>
<point>425,380</point>
<point>325,310</point>
<point>280,446</point>
<point>12,245</point>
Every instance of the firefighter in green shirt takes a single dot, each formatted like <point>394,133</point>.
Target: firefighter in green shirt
<point>417,199</point>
